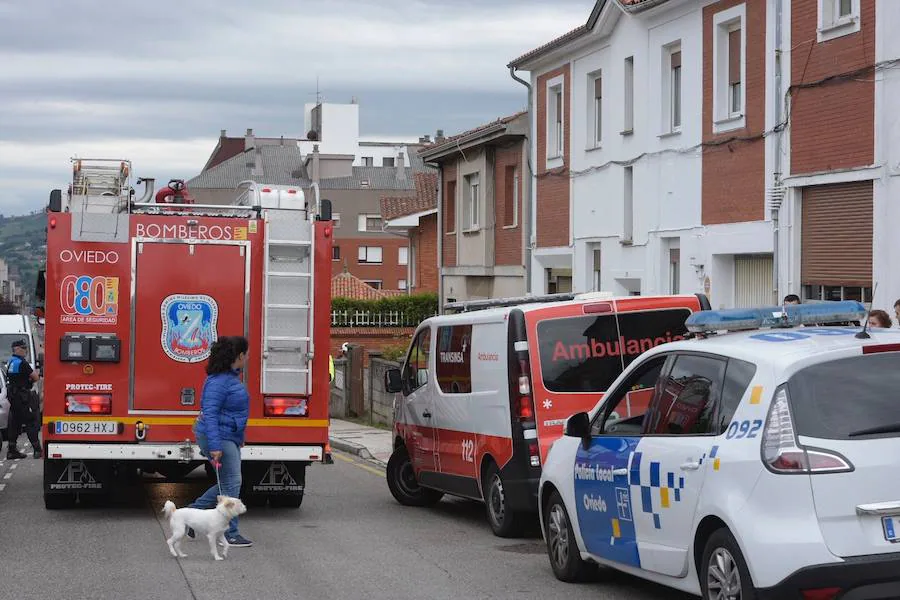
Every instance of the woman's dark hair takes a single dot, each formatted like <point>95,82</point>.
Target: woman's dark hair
<point>224,352</point>
<point>882,317</point>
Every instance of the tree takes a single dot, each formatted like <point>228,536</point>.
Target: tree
<point>8,308</point>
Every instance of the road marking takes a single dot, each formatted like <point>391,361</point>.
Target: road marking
<point>7,476</point>
<point>13,466</point>
<point>2,486</point>
<point>362,466</point>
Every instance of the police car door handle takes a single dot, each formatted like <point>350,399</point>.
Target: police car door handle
<point>618,472</point>
<point>426,414</point>
<point>690,466</point>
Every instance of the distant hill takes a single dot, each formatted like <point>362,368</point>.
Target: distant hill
<point>23,246</point>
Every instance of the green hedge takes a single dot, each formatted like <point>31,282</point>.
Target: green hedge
<point>415,308</point>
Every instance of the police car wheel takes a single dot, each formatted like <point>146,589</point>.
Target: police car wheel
<point>401,480</point>
<point>504,522</point>
<point>723,573</point>
<point>565,559</point>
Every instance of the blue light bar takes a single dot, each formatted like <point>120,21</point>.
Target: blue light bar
<point>791,315</point>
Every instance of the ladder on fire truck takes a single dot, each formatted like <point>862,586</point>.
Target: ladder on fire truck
<point>289,288</point>
<point>100,185</point>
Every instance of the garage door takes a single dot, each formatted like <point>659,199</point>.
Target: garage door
<point>753,280</point>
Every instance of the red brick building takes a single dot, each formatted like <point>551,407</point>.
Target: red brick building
<point>481,215</point>
<point>416,217</point>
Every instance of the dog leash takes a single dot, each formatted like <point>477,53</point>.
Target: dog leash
<point>216,465</point>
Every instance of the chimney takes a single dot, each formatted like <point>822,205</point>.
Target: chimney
<point>315,164</point>
<point>439,136</point>
<point>401,167</point>
<point>425,139</point>
<point>222,133</point>
<point>249,140</point>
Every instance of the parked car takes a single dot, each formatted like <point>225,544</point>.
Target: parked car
<point>763,466</point>
<point>484,393</point>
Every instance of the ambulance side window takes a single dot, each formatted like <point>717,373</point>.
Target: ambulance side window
<point>625,407</point>
<point>453,364</point>
<point>415,370</point>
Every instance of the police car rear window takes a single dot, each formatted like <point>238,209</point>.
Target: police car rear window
<point>586,354</point>
<point>834,399</point>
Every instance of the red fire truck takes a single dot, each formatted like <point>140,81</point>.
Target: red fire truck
<point>139,289</point>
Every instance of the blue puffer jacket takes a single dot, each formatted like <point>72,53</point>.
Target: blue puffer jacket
<point>224,408</point>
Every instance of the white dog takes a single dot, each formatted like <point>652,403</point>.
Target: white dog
<point>213,522</point>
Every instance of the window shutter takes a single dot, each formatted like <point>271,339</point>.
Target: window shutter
<point>676,59</point>
<point>734,56</point>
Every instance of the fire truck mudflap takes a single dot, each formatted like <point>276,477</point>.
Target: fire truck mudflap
<point>140,291</point>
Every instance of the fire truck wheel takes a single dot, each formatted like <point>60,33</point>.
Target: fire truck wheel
<point>59,501</point>
<point>401,480</point>
<point>286,500</point>
<point>503,520</point>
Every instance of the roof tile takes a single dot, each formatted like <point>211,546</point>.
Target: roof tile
<point>425,198</point>
<point>347,285</point>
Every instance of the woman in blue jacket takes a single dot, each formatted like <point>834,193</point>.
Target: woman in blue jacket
<point>224,408</point>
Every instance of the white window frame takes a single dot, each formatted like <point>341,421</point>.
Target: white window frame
<point>362,255</point>
<point>402,285</point>
<point>595,111</point>
<point>724,118</point>
<point>628,90</point>
<point>335,220</point>
<point>369,282</point>
<point>832,25</point>
<point>472,202</point>
<point>338,248</point>
<point>667,86</point>
<point>403,256</point>
<point>363,223</point>
<point>556,121</point>
<point>367,161</point>
<point>515,199</point>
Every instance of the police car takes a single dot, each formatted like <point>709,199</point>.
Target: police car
<point>766,465</point>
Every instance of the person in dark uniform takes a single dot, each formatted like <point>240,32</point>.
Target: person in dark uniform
<point>22,411</point>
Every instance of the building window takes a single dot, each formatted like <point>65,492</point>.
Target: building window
<point>370,223</point>
<point>401,285</point>
<point>628,87</point>
<point>837,292</point>
<point>729,69</point>
<point>335,220</point>
<point>555,124</point>
<point>511,207</point>
<point>628,197</point>
<point>335,253</point>
<point>387,161</point>
<point>597,256</point>
<point>366,161</point>
<point>675,89</point>
<point>370,255</point>
<point>450,207</point>
<point>596,103</point>
<point>472,203</point>
<point>674,270</point>
<point>375,283</point>
<point>403,256</point>
<point>735,98</point>
<point>837,18</point>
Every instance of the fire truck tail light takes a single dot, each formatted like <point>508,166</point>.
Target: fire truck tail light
<point>285,407</point>
<point>96,404</point>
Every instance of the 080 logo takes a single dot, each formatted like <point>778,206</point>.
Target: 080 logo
<point>89,299</point>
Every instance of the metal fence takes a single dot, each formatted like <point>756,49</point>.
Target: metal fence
<point>369,318</point>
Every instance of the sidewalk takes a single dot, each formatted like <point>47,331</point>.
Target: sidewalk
<point>366,442</point>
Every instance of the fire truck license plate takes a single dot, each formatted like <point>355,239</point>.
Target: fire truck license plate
<point>86,427</point>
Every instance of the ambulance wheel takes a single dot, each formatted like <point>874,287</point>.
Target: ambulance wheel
<point>565,558</point>
<point>723,570</point>
<point>59,501</point>
<point>504,522</point>
<point>401,480</point>
<point>286,500</point>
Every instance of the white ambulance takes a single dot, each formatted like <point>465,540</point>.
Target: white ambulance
<point>764,467</point>
<point>482,394</point>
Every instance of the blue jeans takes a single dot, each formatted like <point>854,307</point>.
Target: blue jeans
<point>229,476</point>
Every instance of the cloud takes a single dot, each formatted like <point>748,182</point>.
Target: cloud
<point>155,82</point>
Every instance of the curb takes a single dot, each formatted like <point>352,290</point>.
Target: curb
<point>355,449</point>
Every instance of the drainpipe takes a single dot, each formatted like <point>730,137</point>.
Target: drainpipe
<point>777,192</point>
<point>529,229</point>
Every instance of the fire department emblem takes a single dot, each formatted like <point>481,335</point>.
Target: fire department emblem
<point>188,326</point>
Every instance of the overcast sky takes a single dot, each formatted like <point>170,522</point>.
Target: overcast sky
<point>155,81</point>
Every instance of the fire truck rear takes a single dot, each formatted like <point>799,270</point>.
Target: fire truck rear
<point>138,292</point>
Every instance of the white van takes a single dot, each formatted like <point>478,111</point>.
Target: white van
<point>483,394</point>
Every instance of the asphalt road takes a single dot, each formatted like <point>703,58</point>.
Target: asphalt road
<point>349,540</point>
